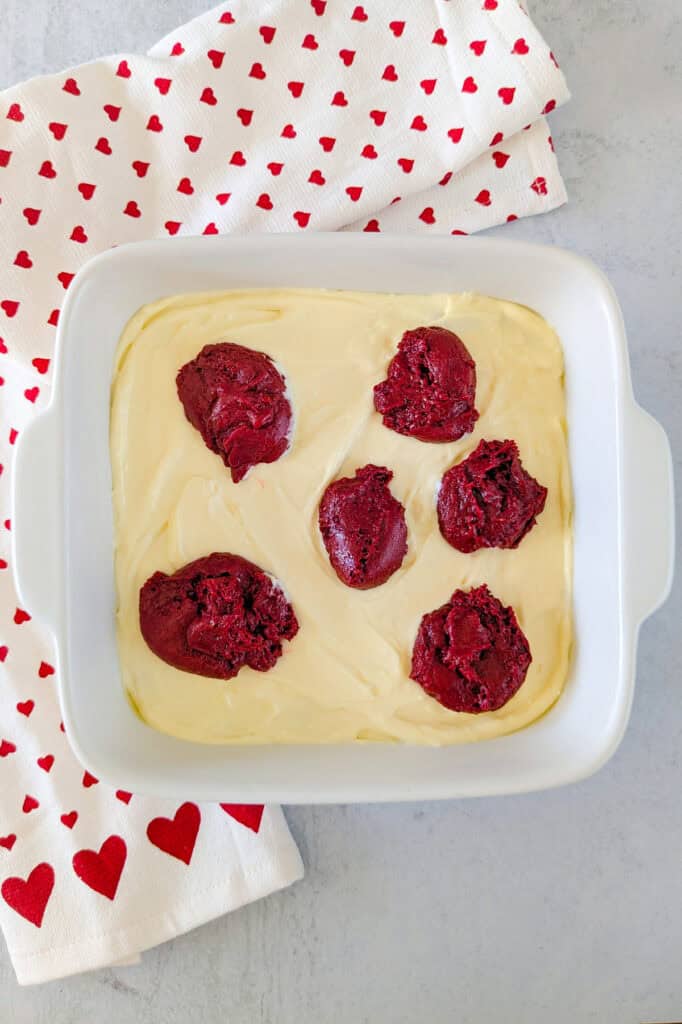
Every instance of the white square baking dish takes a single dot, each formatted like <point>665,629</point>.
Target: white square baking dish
<point>623,528</point>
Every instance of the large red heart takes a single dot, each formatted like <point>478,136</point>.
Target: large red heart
<point>257,71</point>
<point>58,129</point>
<point>29,897</point>
<point>469,85</point>
<point>245,116</point>
<point>483,197</point>
<point>9,308</point>
<point>216,57</point>
<point>500,158</point>
<point>347,56</point>
<point>71,85</point>
<point>78,234</point>
<point>439,37</point>
<point>31,215</point>
<point>86,189</point>
<point>101,870</point>
<point>264,201</point>
<point>7,842</point>
<point>113,112</point>
<point>193,142</point>
<point>22,259</point>
<point>154,124</point>
<point>309,42</point>
<point>163,85</point>
<point>249,815</point>
<point>302,217</point>
<point>456,134</point>
<point>378,116</point>
<point>427,215</point>
<point>42,366</point>
<point>268,33</point>
<point>176,836</point>
<point>208,96</point>
<point>103,146</point>
<point>47,170</point>
<point>520,46</point>
<point>15,113</point>
<point>478,46</point>
<point>506,95</point>
<point>25,707</point>
<point>390,74</point>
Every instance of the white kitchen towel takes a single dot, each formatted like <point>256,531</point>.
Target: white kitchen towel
<point>284,115</point>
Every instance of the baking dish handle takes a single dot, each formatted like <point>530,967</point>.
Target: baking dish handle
<point>34,518</point>
<point>650,511</point>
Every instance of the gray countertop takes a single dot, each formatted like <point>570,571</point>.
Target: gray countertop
<point>559,907</point>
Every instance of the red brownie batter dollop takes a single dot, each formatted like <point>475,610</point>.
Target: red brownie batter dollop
<point>489,500</point>
<point>235,397</point>
<point>471,654</point>
<point>363,527</point>
<point>430,388</point>
<point>215,615</point>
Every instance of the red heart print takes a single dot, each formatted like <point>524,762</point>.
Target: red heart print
<point>31,393</point>
<point>439,37</point>
<point>318,6</point>
<point>257,71</point>
<point>405,164</point>
<point>389,73</point>
<point>192,142</point>
<point>69,819</point>
<point>550,142</point>
<point>347,56</point>
<point>539,186</point>
<point>29,897</point>
<point>5,155</point>
<point>20,615</point>
<point>9,308</point>
<point>47,170</point>
<point>131,209</point>
<point>238,158</point>
<point>496,139</point>
<point>378,116</point>
<point>176,836</point>
<point>359,14</point>
<point>478,46</point>
<point>112,112</point>
<point>446,178</point>
<point>249,815</point>
<point>506,94</point>
<point>163,85</point>
<point>288,132</point>
<point>101,869</point>
<point>185,186</point>
<point>245,116</point>
<point>372,225</point>
<point>25,707</point>
<point>177,50</point>
<point>6,748</point>
<point>327,143</point>
<point>489,5</point>
<point>264,201</point>
<point>78,234</point>
<point>397,28</point>
<point>42,366</point>
<point>86,189</point>
<point>549,107</point>
<point>216,58</point>
<point>275,168</point>
<point>483,197</point>
<point>30,803</point>
<point>455,134</point>
<point>226,18</point>
<point>15,113</point>
<point>154,124</point>
<point>124,796</point>
<point>123,71</point>
<point>172,226</point>
<point>103,146</point>
<point>302,218</point>
<point>141,167</point>
<point>208,96</point>
<point>88,780</point>
<point>354,192</point>
<point>317,178</point>
<point>369,152</point>
<point>7,842</point>
<point>53,318</point>
<point>31,215</point>
<point>419,124</point>
<point>427,215</point>
<point>22,259</point>
<point>428,85</point>
<point>520,46</point>
<point>309,42</point>
<point>222,197</point>
<point>58,129</point>
<point>500,158</point>
<point>267,33</point>
<point>45,762</point>
<point>469,85</point>
<point>211,229</point>
<point>458,232</point>
<point>339,99</point>
<point>71,85</point>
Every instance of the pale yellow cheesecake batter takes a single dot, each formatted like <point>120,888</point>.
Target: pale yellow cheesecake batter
<point>345,676</point>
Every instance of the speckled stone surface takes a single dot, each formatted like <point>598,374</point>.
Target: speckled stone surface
<point>558,908</point>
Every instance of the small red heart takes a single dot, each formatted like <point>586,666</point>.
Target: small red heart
<point>208,96</point>
<point>101,869</point>
<point>288,132</point>
<point>347,56</point>
<point>275,168</point>
<point>469,85</point>
<point>5,155</point>
<point>45,762</point>
<point>177,50</point>
<point>369,152</point>
<point>354,192</point>
<point>478,46</point>
<point>455,134</point>
<point>238,159</point>
<point>30,803</point>
<point>9,307</point>
<point>7,842</point>
<point>550,142</point>
<point>31,393</point>
<point>226,18</point>
<point>309,42</point>
<point>6,748</point>
<point>154,124</point>
<point>58,129</point>
<point>222,197</point>
<point>257,71</point>
<point>124,796</point>
<point>29,897</point>
<point>327,143</point>
<point>185,186</point>
<point>71,85</point>
<point>390,74</point>
<point>405,164</point>
<point>216,58</point>
<point>88,780</point>
<point>78,234</point>
<point>47,170</point>
<point>22,259</point>
<point>25,707</point>
<point>112,112</point>
<point>372,225</point>
<point>163,85</point>
<point>446,178</point>
<point>549,107</point>
<point>419,124</point>
<point>172,226</point>
<point>427,215</point>
<point>140,167</point>
<point>439,37</point>
<point>65,280</point>
<point>339,99</point>
<point>69,819</point>
<point>378,116</point>
<point>506,95</point>
<point>499,158</point>
<point>103,146</point>
<point>131,209</point>
<point>20,615</point>
<point>32,215</point>
<point>317,178</point>
<point>483,197</point>
<point>245,116</point>
<point>428,85</point>
<point>211,229</point>
<point>520,46</point>
<point>489,5</point>
<point>123,71</point>
<point>264,201</point>
<point>15,113</point>
<point>249,815</point>
<point>496,139</point>
<point>176,836</point>
<point>53,318</point>
<point>86,189</point>
<point>268,33</point>
<point>397,28</point>
<point>539,186</point>
<point>45,669</point>
<point>458,232</point>
<point>301,218</point>
<point>359,14</point>
<point>192,142</point>
<point>318,6</point>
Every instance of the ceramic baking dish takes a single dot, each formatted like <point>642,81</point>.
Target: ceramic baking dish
<point>622,480</point>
